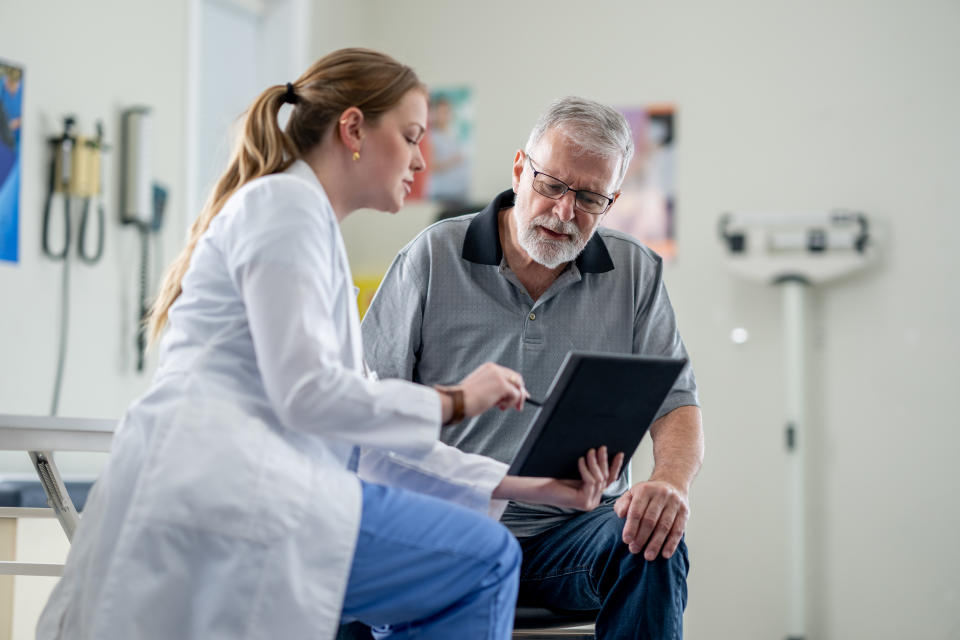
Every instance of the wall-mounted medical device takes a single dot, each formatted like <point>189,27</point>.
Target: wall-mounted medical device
<point>812,247</point>
<point>75,178</point>
<point>77,161</point>
<point>75,174</point>
<point>136,176</point>
<point>142,201</point>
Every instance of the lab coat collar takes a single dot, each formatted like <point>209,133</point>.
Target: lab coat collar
<point>304,171</point>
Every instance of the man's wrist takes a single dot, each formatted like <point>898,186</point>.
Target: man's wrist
<point>676,481</point>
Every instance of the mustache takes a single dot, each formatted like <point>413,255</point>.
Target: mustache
<point>557,226</point>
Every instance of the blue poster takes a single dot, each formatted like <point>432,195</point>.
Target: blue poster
<point>11,105</point>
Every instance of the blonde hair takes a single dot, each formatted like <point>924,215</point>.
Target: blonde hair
<point>369,80</point>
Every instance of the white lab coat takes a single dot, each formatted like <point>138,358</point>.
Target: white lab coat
<point>227,509</point>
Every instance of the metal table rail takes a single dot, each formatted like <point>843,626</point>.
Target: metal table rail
<point>40,436</point>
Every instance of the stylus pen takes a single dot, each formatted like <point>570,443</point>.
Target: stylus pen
<point>535,403</point>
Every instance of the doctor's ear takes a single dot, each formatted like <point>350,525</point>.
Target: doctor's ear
<point>350,128</point>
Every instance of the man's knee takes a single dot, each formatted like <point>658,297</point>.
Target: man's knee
<point>621,561</point>
<point>677,564</point>
<point>609,536</point>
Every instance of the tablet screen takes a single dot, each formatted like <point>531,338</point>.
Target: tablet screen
<point>595,399</point>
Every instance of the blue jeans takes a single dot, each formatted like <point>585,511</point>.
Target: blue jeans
<point>584,565</point>
<point>427,568</point>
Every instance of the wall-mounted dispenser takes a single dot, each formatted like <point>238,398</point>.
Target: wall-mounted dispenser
<point>136,178</point>
<point>142,201</point>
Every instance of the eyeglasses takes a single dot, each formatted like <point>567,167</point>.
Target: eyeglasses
<point>550,187</point>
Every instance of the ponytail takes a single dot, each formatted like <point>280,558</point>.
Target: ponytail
<point>261,150</point>
<point>368,80</point>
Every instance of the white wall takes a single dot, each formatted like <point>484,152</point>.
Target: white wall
<point>782,106</point>
<point>90,59</point>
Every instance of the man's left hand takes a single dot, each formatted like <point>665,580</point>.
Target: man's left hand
<point>656,515</point>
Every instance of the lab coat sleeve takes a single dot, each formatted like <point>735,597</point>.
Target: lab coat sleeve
<point>283,257</point>
<point>391,341</point>
<point>446,472</point>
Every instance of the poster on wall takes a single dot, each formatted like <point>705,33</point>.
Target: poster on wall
<point>647,207</point>
<point>11,103</point>
<point>448,149</point>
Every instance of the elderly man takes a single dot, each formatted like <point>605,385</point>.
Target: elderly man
<point>523,282</point>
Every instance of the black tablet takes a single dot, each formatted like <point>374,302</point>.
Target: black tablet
<point>595,399</point>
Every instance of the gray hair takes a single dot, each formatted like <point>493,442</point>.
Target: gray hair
<point>591,126</point>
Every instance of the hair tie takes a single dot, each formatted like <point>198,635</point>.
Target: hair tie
<point>290,97</point>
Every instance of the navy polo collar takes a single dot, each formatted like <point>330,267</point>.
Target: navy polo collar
<point>481,244</point>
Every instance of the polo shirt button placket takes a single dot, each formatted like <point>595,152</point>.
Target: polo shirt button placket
<point>532,329</point>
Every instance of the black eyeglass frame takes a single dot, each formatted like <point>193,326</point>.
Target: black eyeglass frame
<point>567,188</point>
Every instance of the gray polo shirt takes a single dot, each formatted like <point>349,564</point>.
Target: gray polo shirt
<point>449,303</point>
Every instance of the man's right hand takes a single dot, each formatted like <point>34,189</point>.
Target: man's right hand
<point>655,516</point>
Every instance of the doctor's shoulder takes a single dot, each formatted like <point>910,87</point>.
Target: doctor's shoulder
<point>277,201</point>
<point>279,217</point>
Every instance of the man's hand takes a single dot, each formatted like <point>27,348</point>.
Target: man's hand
<point>656,515</point>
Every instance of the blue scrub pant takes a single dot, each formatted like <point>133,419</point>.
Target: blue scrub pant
<point>427,568</point>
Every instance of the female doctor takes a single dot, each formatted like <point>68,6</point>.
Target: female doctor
<point>230,507</point>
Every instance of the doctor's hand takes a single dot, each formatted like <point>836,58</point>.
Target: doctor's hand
<point>492,385</point>
<point>656,514</point>
<point>584,494</point>
<point>595,476</point>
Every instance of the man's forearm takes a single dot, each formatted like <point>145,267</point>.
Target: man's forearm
<point>678,447</point>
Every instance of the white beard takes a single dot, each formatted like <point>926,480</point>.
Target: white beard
<point>548,252</point>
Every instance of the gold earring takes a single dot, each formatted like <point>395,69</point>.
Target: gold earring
<point>344,121</point>
<point>356,156</point>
